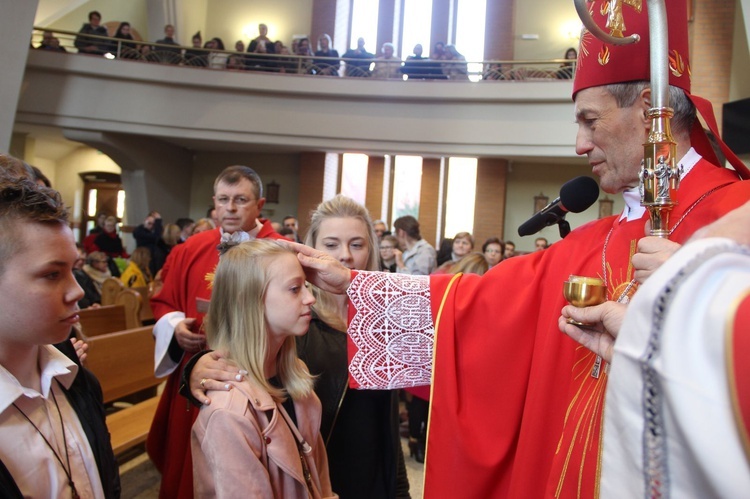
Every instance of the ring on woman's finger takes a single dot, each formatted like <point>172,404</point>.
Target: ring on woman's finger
<point>203,383</point>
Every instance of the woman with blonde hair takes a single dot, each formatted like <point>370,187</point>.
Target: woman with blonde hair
<point>137,273</point>
<point>202,225</point>
<point>360,427</point>
<point>473,263</point>
<point>262,438</point>
<point>462,245</point>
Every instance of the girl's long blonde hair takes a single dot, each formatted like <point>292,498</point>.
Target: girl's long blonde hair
<point>236,319</point>
<point>339,207</point>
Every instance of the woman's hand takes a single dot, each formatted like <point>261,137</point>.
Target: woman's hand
<point>81,348</point>
<point>211,372</point>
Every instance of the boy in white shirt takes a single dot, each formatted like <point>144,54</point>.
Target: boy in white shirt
<point>52,428</point>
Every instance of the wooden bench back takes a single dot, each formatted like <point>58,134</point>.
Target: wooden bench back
<point>133,302</point>
<point>146,313</point>
<point>123,362</point>
<point>110,288</point>
<point>103,320</point>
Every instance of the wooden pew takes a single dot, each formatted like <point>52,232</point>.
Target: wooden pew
<point>103,320</point>
<point>110,288</point>
<point>147,315</point>
<point>133,303</point>
<point>123,314</point>
<point>124,364</point>
<point>113,287</point>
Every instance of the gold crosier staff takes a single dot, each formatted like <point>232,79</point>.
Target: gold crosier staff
<point>659,175</point>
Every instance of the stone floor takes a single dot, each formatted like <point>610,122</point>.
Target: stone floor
<point>140,480</point>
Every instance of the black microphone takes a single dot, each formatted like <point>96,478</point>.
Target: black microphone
<point>575,196</point>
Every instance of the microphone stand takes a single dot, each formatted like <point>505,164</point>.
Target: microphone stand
<point>564,227</point>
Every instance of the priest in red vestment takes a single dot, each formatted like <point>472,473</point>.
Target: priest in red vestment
<point>517,406</point>
<point>678,399</point>
<point>179,311</point>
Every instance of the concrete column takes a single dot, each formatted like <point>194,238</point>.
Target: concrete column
<point>16,22</point>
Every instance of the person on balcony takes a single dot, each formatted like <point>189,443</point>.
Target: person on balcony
<point>261,38</point>
<point>414,67</point>
<point>360,68</point>
<point>127,49</point>
<point>387,66</point>
<point>454,67</point>
<point>88,45</point>
<point>326,67</point>
<point>196,56</point>
<point>168,54</point>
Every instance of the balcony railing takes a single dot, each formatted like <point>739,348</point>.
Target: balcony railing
<point>391,69</point>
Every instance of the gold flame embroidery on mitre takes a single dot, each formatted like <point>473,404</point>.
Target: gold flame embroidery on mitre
<point>603,57</point>
<point>586,39</point>
<point>676,63</point>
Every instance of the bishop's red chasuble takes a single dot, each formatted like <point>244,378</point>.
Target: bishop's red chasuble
<point>516,404</point>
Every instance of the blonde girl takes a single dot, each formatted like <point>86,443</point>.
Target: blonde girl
<point>262,437</point>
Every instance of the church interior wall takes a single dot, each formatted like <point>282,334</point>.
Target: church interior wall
<point>280,168</point>
<point>529,179</point>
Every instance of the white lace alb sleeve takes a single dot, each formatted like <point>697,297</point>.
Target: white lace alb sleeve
<point>392,330</point>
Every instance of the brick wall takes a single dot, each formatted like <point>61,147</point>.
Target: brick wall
<point>489,208</point>
<point>311,178</point>
<point>429,198</point>
<point>711,35</point>
<point>374,190</point>
<point>499,31</point>
<point>323,20</point>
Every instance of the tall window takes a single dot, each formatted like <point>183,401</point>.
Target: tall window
<point>354,177</point>
<point>365,23</point>
<point>407,184</point>
<point>470,22</point>
<point>462,191</point>
<point>416,27</point>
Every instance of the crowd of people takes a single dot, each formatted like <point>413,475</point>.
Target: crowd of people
<point>292,387</point>
<point>304,55</point>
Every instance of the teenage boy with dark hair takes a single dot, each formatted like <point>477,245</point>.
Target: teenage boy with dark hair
<point>52,422</point>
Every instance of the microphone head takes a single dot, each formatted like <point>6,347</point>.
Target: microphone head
<point>578,194</point>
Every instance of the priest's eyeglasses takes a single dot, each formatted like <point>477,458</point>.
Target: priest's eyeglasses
<point>237,200</point>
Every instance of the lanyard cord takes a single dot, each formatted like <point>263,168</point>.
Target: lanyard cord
<point>68,471</point>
